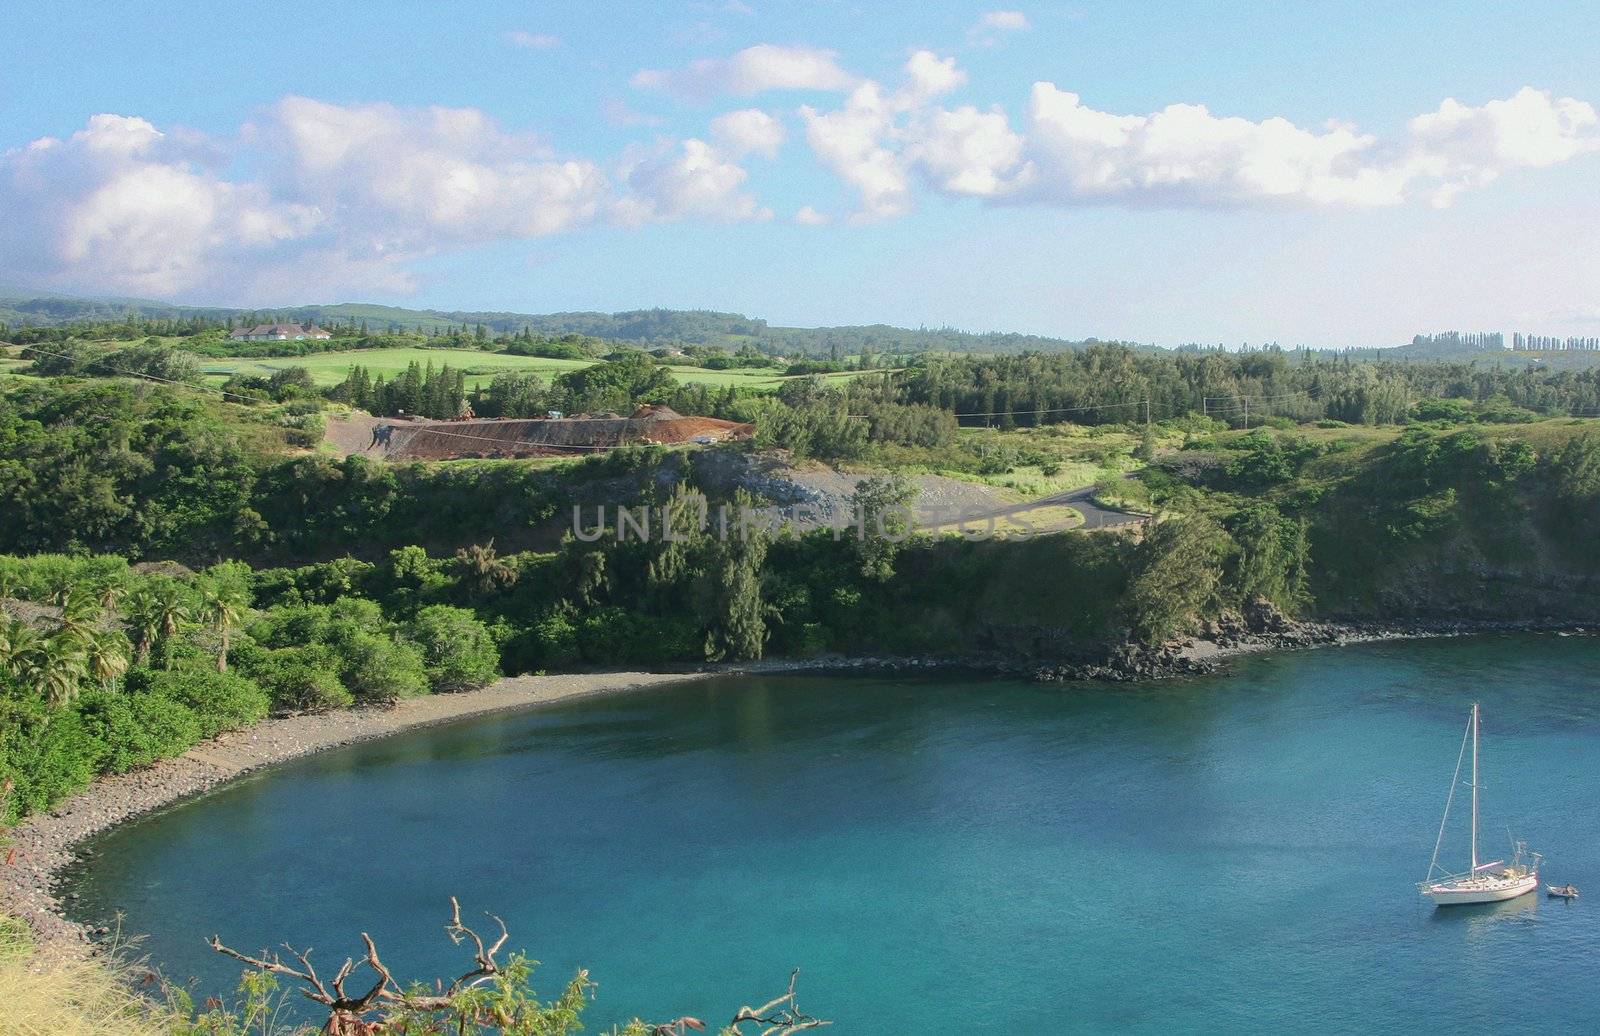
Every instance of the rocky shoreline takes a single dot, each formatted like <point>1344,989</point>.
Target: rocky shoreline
<point>43,845</point>
<point>1263,628</point>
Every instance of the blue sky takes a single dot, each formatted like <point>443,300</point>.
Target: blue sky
<point>816,163</point>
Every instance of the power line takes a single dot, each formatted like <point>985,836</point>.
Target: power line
<point>1057,410</point>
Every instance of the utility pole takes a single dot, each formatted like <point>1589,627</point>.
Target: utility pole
<point>1147,415</point>
<point>1246,413</point>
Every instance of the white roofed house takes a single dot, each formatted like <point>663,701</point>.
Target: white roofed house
<point>278,333</point>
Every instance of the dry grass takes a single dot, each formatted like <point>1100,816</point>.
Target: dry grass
<point>68,997</point>
<point>1031,522</point>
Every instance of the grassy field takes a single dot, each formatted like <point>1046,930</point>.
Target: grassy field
<point>330,368</point>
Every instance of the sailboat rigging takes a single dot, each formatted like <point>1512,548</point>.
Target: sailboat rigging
<point>1482,882</point>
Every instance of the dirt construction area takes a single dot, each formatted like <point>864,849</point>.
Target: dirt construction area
<point>401,439</point>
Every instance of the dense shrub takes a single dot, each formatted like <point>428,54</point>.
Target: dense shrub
<point>296,679</point>
<point>48,756</point>
<point>136,729</point>
<point>377,668</point>
<point>220,701</point>
<point>456,648</point>
<point>615,635</point>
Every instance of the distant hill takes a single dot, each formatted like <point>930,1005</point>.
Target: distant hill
<point>660,327</point>
<point>649,327</point>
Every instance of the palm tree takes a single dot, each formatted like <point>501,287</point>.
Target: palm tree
<point>144,616</point>
<point>171,613</point>
<point>110,594</point>
<point>57,668</point>
<point>80,613</point>
<point>61,587</point>
<point>223,609</point>
<point>19,643</point>
<point>106,657</point>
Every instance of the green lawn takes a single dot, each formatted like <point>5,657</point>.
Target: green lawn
<point>330,368</point>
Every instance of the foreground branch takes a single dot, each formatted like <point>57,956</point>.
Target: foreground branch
<point>781,1016</point>
<point>488,997</point>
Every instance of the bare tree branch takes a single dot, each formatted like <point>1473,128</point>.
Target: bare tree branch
<point>347,1014</point>
<point>781,1015</point>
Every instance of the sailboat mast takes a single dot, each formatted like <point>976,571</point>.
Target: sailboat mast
<point>1474,787</point>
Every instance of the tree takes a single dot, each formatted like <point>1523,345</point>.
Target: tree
<point>1176,572</point>
<point>144,618</point>
<point>106,657</point>
<point>57,668</point>
<point>223,610</point>
<point>19,643</point>
<point>1272,558</point>
<point>739,622</point>
<point>484,574</point>
<point>456,647</point>
<point>171,613</point>
<point>881,506</point>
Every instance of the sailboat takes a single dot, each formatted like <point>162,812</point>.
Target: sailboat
<point>1482,882</point>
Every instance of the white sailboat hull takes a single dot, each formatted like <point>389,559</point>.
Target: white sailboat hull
<point>1488,889</point>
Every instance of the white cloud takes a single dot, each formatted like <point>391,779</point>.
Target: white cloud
<point>964,151</point>
<point>930,76</point>
<point>991,25</point>
<point>533,40</point>
<point>1010,21</point>
<point>859,141</point>
<point>346,197</point>
<point>766,66</point>
<point>1066,152</point>
<point>120,205</point>
<point>852,142</point>
<point>687,179</point>
<point>420,177</point>
<point>1183,154</point>
<point>748,131</point>
<point>1469,147</point>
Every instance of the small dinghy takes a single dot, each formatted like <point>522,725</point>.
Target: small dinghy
<point>1562,891</point>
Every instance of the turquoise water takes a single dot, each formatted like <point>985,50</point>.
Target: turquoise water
<point>938,855</point>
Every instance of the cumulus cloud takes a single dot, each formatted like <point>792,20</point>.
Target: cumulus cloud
<point>683,180</point>
<point>1184,154</point>
<point>748,131</point>
<point>1066,152</point>
<point>411,177</point>
<point>1470,147</point>
<point>330,197</point>
<point>121,205</point>
<point>860,141</point>
<point>766,66</point>
<point>345,196</point>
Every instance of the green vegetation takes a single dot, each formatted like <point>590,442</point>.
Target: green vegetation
<point>104,669</point>
<point>1375,491</point>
